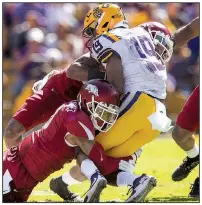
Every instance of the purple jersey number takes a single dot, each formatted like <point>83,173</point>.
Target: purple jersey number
<point>97,47</point>
<point>146,48</point>
<point>144,51</point>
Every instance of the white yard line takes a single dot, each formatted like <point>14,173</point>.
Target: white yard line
<point>43,193</point>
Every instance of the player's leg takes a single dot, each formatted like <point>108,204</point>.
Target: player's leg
<point>133,118</point>
<point>97,181</point>
<point>60,185</point>
<point>37,109</point>
<point>85,170</point>
<point>140,186</point>
<point>183,134</point>
<point>92,173</point>
<point>137,140</point>
<point>69,178</point>
<point>17,183</point>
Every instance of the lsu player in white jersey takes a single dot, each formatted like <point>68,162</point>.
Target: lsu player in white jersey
<point>135,63</point>
<point>134,59</point>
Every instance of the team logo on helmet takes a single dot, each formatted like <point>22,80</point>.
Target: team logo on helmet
<point>92,89</point>
<point>97,13</point>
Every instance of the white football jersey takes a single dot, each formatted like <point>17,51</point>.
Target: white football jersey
<point>141,68</point>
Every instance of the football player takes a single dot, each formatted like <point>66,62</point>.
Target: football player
<point>48,149</point>
<point>135,63</point>
<point>188,120</point>
<point>146,48</point>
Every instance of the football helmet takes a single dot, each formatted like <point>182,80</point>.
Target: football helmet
<point>102,18</point>
<point>100,100</point>
<point>162,39</point>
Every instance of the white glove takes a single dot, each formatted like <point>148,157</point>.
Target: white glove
<point>127,166</point>
<point>37,86</point>
<point>41,83</point>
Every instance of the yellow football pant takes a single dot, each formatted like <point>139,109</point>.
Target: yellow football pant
<point>132,130</point>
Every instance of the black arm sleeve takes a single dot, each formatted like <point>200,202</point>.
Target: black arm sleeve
<point>95,74</point>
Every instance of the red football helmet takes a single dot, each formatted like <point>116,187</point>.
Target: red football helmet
<point>162,40</point>
<point>100,100</point>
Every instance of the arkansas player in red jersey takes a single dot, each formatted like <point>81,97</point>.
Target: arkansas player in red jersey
<point>55,89</point>
<point>48,149</point>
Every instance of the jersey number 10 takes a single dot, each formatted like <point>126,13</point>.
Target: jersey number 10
<point>147,49</point>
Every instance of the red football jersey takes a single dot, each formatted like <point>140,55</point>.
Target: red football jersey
<point>67,88</point>
<point>45,151</point>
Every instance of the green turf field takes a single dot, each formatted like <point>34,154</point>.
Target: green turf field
<point>159,158</point>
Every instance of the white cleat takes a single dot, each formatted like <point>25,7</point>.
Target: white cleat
<point>141,188</point>
<point>98,183</point>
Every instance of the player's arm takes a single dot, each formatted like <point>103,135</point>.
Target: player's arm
<point>85,68</point>
<point>105,50</point>
<point>114,72</point>
<point>13,133</point>
<point>186,33</point>
<point>96,153</point>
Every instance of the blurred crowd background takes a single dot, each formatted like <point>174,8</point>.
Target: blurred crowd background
<point>40,37</point>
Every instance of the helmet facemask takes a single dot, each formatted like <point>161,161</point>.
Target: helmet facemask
<point>103,116</point>
<point>101,19</point>
<point>163,45</point>
<point>90,32</point>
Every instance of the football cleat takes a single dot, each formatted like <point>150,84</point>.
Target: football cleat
<point>61,189</point>
<point>185,168</point>
<point>98,183</point>
<point>141,188</point>
<point>195,189</point>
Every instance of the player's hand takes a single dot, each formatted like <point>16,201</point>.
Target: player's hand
<point>37,86</point>
<point>127,166</point>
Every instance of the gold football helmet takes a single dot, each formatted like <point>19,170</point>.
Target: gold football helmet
<point>102,18</point>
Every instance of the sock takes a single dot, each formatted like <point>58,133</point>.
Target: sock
<point>88,168</point>
<point>125,178</point>
<point>68,179</point>
<point>137,154</point>
<point>193,152</point>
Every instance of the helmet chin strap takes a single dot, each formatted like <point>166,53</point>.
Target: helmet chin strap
<point>87,44</point>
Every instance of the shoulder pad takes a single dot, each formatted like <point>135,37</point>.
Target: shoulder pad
<point>80,125</point>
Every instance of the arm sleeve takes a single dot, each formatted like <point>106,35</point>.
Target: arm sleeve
<point>78,70</point>
<point>105,164</point>
<point>96,74</point>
